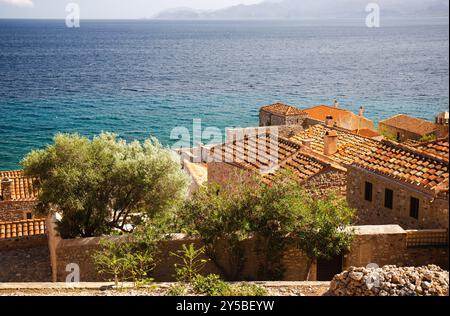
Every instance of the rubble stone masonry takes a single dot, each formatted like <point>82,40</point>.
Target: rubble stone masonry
<point>15,210</point>
<point>433,210</point>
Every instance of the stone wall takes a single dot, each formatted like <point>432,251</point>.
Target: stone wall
<point>15,210</point>
<point>25,264</point>
<point>392,132</point>
<point>25,259</point>
<point>270,119</point>
<point>23,242</point>
<point>80,251</point>
<point>381,245</point>
<point>386,245</point>
<point>329,180</point>
<point>433,212</point>
<point>222,173</point>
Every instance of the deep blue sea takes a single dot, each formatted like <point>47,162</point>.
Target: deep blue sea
<point>141,78</point>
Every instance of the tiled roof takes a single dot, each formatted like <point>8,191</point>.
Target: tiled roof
<point>343,118</point>
<point>302,165</point>
<point>320,112</point>
<point>262,151</point>
<point>405,164</point>
<point>438,148</point>
<point>23,188</point>
<point>350,146</point>
<point>366,132</point>
<point>410,124</point>
<point>283,109</point>
<point>31,227</point>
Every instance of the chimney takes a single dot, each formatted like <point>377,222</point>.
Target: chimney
<point>442,125</point>
<point>329,121</point>
<point>330,143</point>
<point>6,189</point>
<point>361,111</point>
<point>335,103</point>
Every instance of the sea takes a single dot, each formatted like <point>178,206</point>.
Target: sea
<point>147,78</point>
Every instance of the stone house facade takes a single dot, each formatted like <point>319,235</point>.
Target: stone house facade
<point>396,184</point>
<point>403,127</point>
<point>18,196</point>
<point>281,114</point>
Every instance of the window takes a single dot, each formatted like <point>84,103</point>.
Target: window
<point>414,208</point>
<point>398,136</point>
<point>29,215</point>
<point>368,191</point>
<point>388,198</point>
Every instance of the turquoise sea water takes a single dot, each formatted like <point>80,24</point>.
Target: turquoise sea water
<point>138,78</point>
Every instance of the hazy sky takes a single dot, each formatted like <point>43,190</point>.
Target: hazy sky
<point>100,9</point>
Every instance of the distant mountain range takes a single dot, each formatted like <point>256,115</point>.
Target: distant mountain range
<point>300,9</point>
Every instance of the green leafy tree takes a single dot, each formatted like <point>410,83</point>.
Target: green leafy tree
<point>277,215</point>
<point>105,183</point>
<point>220,216</point>
<point>322,232</point>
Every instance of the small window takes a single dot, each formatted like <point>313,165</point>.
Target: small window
<point>388,198</point>
<point>414,208</point>
<point>29,215</point>
<point>398,137</point>
<point>368,191</point>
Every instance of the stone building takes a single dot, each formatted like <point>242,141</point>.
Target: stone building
<point>402,127</point>
<point>340,117</point>
<point>18,196</point>
<point>318,156</point>
<point>281,114</point>
<point>403,185</point>
<point>442,125</point>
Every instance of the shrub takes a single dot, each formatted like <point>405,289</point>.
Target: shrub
<point>276,214</point>
<point>192,263</point>
<point>210,285</point>
<point>131,258</point>
<point>177,289</point>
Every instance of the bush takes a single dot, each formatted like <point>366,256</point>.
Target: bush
<point>177,289</point>
<point>210,285</point>
<point>192,263</point>
<point>276,214</point>
<point>131,258</point>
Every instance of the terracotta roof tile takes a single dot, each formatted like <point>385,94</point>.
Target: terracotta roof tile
<point>23,188</point>
<point>343,117</point>
<point>302,165</point>
<point>438,148</point>
<point>350,146</point>
<point>283,109</point>
<point>387,156</point>
<point>366,132</point>
<point>262,151</point>
<point>24,228</point>
<point>410,124</point>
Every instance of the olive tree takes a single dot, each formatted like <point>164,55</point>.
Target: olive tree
<point>104,183</point>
